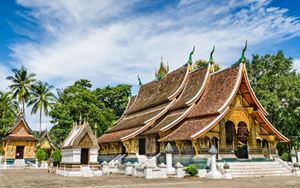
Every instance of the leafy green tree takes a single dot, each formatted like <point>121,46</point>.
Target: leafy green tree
<point>8,110</point>
<point>41,99</point>
<point>40,155</point>
<point>202,63</point>
<point>22,82</point>
<point>75,101</point>
<point>56,155</point>
<point>277,86</point>
<point>115,98</point>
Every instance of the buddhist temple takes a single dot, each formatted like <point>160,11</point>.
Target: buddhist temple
<point>46,143</point>
<point>192,110</point>
<point>19,144</point>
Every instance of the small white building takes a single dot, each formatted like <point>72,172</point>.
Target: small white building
<point>79,152</point>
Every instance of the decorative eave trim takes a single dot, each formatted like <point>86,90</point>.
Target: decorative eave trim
<point>160,113</point>
<point>124,113</point>
<point>68,137</point>
<point>285,139</point>
<point>201,90</point>
<point>210,125</point>
<point>172,124</point>
<point>148,123</point>
<point>252,92</point>
<point>181,86</point>
<point>136,132</point>
<point>18,122</point>
<point>235,89</point>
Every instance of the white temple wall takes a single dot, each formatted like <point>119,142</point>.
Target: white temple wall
<point>71,155</point>
<point>93,156</point>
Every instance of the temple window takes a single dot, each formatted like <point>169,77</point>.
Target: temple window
<point>214,141</point>
<point>265,144</point>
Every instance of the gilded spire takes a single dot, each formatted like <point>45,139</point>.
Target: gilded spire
<point>162,70</point>
<point>140,81</point>
<point>190,61</point>
<point>243,59</point>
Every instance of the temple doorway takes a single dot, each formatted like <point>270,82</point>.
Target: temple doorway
<point>20,152</point>
<point>242,136</point>
<point>142,148</point>
<point>84,156</point>
<point>123,149</point>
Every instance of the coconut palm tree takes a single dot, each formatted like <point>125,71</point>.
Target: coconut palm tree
<point>22,82</point>
<point>41,99</point>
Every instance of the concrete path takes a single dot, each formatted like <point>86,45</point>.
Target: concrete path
<point>42,179</point>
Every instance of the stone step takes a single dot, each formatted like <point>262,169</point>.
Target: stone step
<point>261,174</point>
<point>251,163</point>
<point>258,170</point>
<point>253,167</point>
<point>19,163</point>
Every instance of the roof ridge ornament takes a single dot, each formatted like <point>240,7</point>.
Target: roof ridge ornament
<point>211,60</point>
<point>190,61</point>
<point>243,59</point>
<point>211,57</point>
<point>140,81</point>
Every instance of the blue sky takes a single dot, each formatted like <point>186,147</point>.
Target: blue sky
<point>112,41</point>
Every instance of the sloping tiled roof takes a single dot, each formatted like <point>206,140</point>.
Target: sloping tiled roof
<point>194,83</point>
<point>76,135</point>
<point>157,92</point>
<point>218,90</point>
<point>193,88</point>
<point>45,135</point>
<point>18,121</point>
<point>117,135</point>
<point>165,121</point>
<point>138,119</point>
<point>151,102</point>
<point>202,101</point>
<point>188,128</point>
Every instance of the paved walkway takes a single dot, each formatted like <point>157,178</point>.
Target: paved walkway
<point>41,179</point>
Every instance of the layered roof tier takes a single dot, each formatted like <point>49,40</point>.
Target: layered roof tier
<point>190,103</point>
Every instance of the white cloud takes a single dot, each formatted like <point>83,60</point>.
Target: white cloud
<point>110,42</point>
<point>297,65</point>
<point>4,71</point>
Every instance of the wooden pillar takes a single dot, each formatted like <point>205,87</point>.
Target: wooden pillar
<point>179,145</point>
<point>222,134</point>
<point>196,145</point>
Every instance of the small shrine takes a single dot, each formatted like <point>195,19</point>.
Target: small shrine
<point>80,152</point>
<point>46,143</point>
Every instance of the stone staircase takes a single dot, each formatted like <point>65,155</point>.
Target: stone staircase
<point>256,169</point>
<point>19,163</point>
<point>86,171</point>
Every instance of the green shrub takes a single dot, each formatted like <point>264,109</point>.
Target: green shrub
<point>191,170</point>
<point>40,155</point>
<point>56,155</point>
<point>285,156</point>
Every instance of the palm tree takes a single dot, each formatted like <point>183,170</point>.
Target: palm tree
<point>22,82</point>
<point>41,99</point>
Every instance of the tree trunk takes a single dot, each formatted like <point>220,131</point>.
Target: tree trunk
<point>23,107</point>
<point>40,121</point>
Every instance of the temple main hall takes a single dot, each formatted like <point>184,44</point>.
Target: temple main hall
<point>193,109</point>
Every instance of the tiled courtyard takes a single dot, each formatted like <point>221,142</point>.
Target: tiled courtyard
<point>41,179</point>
